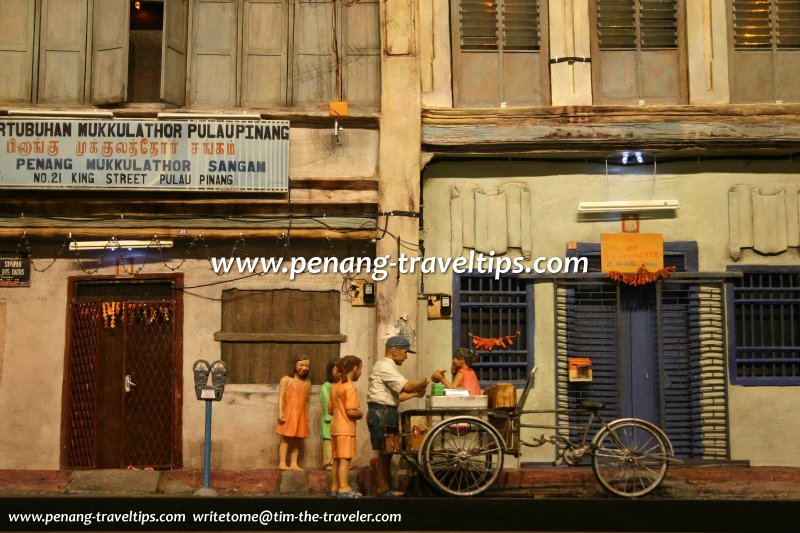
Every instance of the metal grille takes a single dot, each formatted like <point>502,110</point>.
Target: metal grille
<point>149,408</point>
<point>510,25</point>
<point>487,307</point>
<point>766,24</point>
<point>634,24</point>
<point>83,385</point>
<point>691,380</point>
<point>148,352</point>
<point>767,328</point>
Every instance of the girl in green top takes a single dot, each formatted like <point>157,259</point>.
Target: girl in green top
<point>332,373</point>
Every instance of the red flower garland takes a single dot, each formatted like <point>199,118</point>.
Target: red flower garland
<point>641,276</point>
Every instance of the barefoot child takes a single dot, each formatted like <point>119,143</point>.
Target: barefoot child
<point>346,410</point>
<point>464,377</point>
<point>293,412</point>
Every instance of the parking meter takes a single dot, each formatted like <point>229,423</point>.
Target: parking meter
<point>219,371</point>
<point>201,368</point>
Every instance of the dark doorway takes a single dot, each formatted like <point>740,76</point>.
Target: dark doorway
<point>122,386</point>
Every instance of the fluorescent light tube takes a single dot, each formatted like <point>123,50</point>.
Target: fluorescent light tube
<point>114,244</point>
<point>628,206</point>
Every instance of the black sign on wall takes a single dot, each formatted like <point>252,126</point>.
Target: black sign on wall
<point>15,270</point>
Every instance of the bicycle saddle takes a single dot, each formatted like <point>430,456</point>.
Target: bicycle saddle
<point>592,406</point>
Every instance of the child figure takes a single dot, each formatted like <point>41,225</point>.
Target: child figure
<point>293,412</point>
<point>332,373</point>
<point>346,410</point>
<point>463,375</point>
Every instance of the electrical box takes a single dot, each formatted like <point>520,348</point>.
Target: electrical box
<point>580,369</point>
<point>362,293</point>
<point>338,109</point>
<point>440,306</point>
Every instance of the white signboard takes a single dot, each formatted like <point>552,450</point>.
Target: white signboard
<point>240,156</point>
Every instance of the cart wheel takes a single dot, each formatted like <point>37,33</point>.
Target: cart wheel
<point>630,458</point>
<point>462,456</point>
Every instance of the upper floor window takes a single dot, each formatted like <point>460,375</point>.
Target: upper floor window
<point>765,57</point>
<point>638,52</point>
<point>253,53</point>
<point>499,53</point>
<point>765,327</point>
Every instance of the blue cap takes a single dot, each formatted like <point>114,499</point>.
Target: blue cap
<point>398,341</point>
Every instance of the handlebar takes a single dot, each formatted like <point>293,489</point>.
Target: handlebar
<point>528,386</point>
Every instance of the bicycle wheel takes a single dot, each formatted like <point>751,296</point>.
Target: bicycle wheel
<point>462,456</point>
<point>630,457</point>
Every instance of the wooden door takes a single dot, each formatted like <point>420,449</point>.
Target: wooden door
<point>122,393</point>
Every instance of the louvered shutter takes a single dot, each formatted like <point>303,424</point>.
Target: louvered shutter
<point>497,53</point>
<point>62,51</point>
<point>16,50</point>
<point>173,55</point>
<point>264,52</point>
<point>637,52</point>
<point>313,64</point>
<point>214,70</point>
<point>765,38</point>
<point>361,53</point>
<point>110,51</point>
<point>521,57</point>
<point>587,327</point>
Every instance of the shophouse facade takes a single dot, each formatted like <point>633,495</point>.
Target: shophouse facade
<point>472,127</point>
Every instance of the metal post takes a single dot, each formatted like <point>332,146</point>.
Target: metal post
<point>207,448</point>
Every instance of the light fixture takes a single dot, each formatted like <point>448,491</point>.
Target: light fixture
<point>209,116</point>
<point>78,113</point>
<point>628,206</point>
<point>626,156</point>
<point>137,5</point>
<point>114,244</point>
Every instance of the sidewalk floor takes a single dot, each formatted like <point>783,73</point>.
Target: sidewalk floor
<point>685,482</point>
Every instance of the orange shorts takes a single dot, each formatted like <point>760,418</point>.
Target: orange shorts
<point>344,446</point>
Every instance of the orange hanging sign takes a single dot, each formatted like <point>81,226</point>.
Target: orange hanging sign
<point>627,252</point>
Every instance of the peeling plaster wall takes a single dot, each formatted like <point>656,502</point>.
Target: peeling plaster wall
<point>556,188</point>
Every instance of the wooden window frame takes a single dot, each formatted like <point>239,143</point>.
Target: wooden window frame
<point>544,56</point>
<point>773,53</point>
<point>682,50</point>
<point>733,348</point>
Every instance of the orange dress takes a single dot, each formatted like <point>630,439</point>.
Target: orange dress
<point>295,410</point>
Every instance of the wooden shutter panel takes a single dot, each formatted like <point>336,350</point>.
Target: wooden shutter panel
<point>110,51</point>
<point>787,61</point>
<point>173,52</point>
<point>637,52</point>
<point>361,61</point>
<point>476,55</point>
<point>264,52</point>
<point>313,63</point>
<point>522,84</point>
<point>62,51</point>
<point>660,64</point>
<point>16,50</point>
<point>214,57</point>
